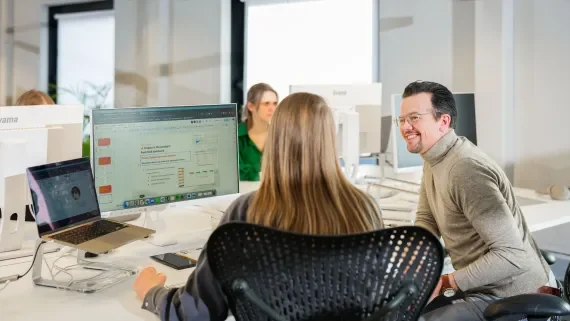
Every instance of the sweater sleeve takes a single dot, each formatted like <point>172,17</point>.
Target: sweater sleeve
<point>202,297</point>
<point>424,216</point>
<point>247,171</point>
<point>475,189</point>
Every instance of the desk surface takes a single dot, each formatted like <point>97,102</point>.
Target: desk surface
<point>191,225</point>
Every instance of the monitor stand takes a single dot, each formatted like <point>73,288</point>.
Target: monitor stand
<point>153,221</point>
<point>124,216</point>
<point>109,274</point>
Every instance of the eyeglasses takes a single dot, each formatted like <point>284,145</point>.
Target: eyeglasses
<point>411,119</point>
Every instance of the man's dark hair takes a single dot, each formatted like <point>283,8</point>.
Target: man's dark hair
<point>441,98</point>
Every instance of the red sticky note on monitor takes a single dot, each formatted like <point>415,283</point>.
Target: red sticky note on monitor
<point>105,189</point>
<point>104,142</point>
<point>104,161</point>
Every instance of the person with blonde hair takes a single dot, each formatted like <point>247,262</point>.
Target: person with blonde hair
<point>303,190</point>
<point>252,132</point>
<point>34,97</point>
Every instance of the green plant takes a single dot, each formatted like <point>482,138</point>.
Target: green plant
<point>92,97</point>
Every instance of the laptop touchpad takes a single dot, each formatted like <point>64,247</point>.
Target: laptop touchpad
<point>118,238</point>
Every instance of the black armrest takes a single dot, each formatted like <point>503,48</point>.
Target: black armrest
<point>548,257</point>
<point>408,291</point>
<point>531,305</point>
<point>241,287</point>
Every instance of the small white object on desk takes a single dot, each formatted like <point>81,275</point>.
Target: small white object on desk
<point>155,222</point>
<point>162,239</point>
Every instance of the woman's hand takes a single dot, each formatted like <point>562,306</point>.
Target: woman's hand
<point>148,279</point>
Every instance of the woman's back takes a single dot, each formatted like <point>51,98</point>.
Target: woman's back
<point>303,188</point>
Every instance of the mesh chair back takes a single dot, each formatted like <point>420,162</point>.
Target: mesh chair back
<point>325,278</point>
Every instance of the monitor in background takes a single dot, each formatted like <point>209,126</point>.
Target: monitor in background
<point>162,155</point>
<point>466,124</point>
<point>365,99</point>
<point>404,161</point>
<point>31,136</point>
<point>64,124</point>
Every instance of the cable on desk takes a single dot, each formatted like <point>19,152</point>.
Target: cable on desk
<point>5,285</point>
<point>33,260</point>
<point>19,276</point>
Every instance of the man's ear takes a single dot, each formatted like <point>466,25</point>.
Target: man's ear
<point>445,122</point>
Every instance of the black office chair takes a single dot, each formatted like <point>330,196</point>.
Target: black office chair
<point>534,306</point>
<point>268,274</point>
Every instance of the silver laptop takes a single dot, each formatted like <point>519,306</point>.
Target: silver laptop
<point>67,211</point>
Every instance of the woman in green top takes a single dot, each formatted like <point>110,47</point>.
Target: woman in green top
<point>252,133</point>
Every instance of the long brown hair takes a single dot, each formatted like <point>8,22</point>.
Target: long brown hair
<point>34,97</point>
<point>254,96</point>
<point>303,188</point>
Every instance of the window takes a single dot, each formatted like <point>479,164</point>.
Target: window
<point>315,42</point>
<point>86,58</point>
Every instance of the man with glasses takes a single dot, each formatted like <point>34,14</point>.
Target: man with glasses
<point>467,199</point>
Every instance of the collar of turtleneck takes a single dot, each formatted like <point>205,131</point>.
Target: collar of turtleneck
<point>438,151</point>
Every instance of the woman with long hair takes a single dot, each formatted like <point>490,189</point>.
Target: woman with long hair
<point>302,190</point>
<point>252,132</point>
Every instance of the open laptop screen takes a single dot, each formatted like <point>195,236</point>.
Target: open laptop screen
<point>63,194</point>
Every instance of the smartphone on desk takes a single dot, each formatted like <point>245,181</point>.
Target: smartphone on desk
<point>174,261</point>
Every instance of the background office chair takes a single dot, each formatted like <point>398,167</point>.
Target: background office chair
<point>269,274</point>
<point>534,306</point>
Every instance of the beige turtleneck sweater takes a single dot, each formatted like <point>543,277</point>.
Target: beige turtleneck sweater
<point>467,199</point>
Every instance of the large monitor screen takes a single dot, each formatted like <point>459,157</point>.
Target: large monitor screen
<point>160,155</point>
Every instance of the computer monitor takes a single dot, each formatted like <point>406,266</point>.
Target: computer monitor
<point>64,124</point>
<point>31,136</point>
<point>466,124</point>
<point>365,99</point>
<point>144,157</point>
<point>403,160</point>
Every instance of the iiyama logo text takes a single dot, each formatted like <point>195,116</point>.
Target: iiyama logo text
<point>339,92</point>
<point>8,120</point>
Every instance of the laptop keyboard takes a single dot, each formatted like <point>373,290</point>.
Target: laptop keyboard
<point>89,232</point>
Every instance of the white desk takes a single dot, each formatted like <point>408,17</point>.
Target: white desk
<point>21,300</point>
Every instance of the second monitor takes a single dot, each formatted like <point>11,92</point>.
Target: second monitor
<point>162,155</point>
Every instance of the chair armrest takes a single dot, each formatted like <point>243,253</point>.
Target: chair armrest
<point>408,291</point>
<point>548,257</point>
<point>531,305</point>
<point>240,287</point>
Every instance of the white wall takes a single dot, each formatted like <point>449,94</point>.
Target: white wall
<point>172,52</point>
<point>415,44</point>
<point>542,82</point>
<point>494,81</point>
